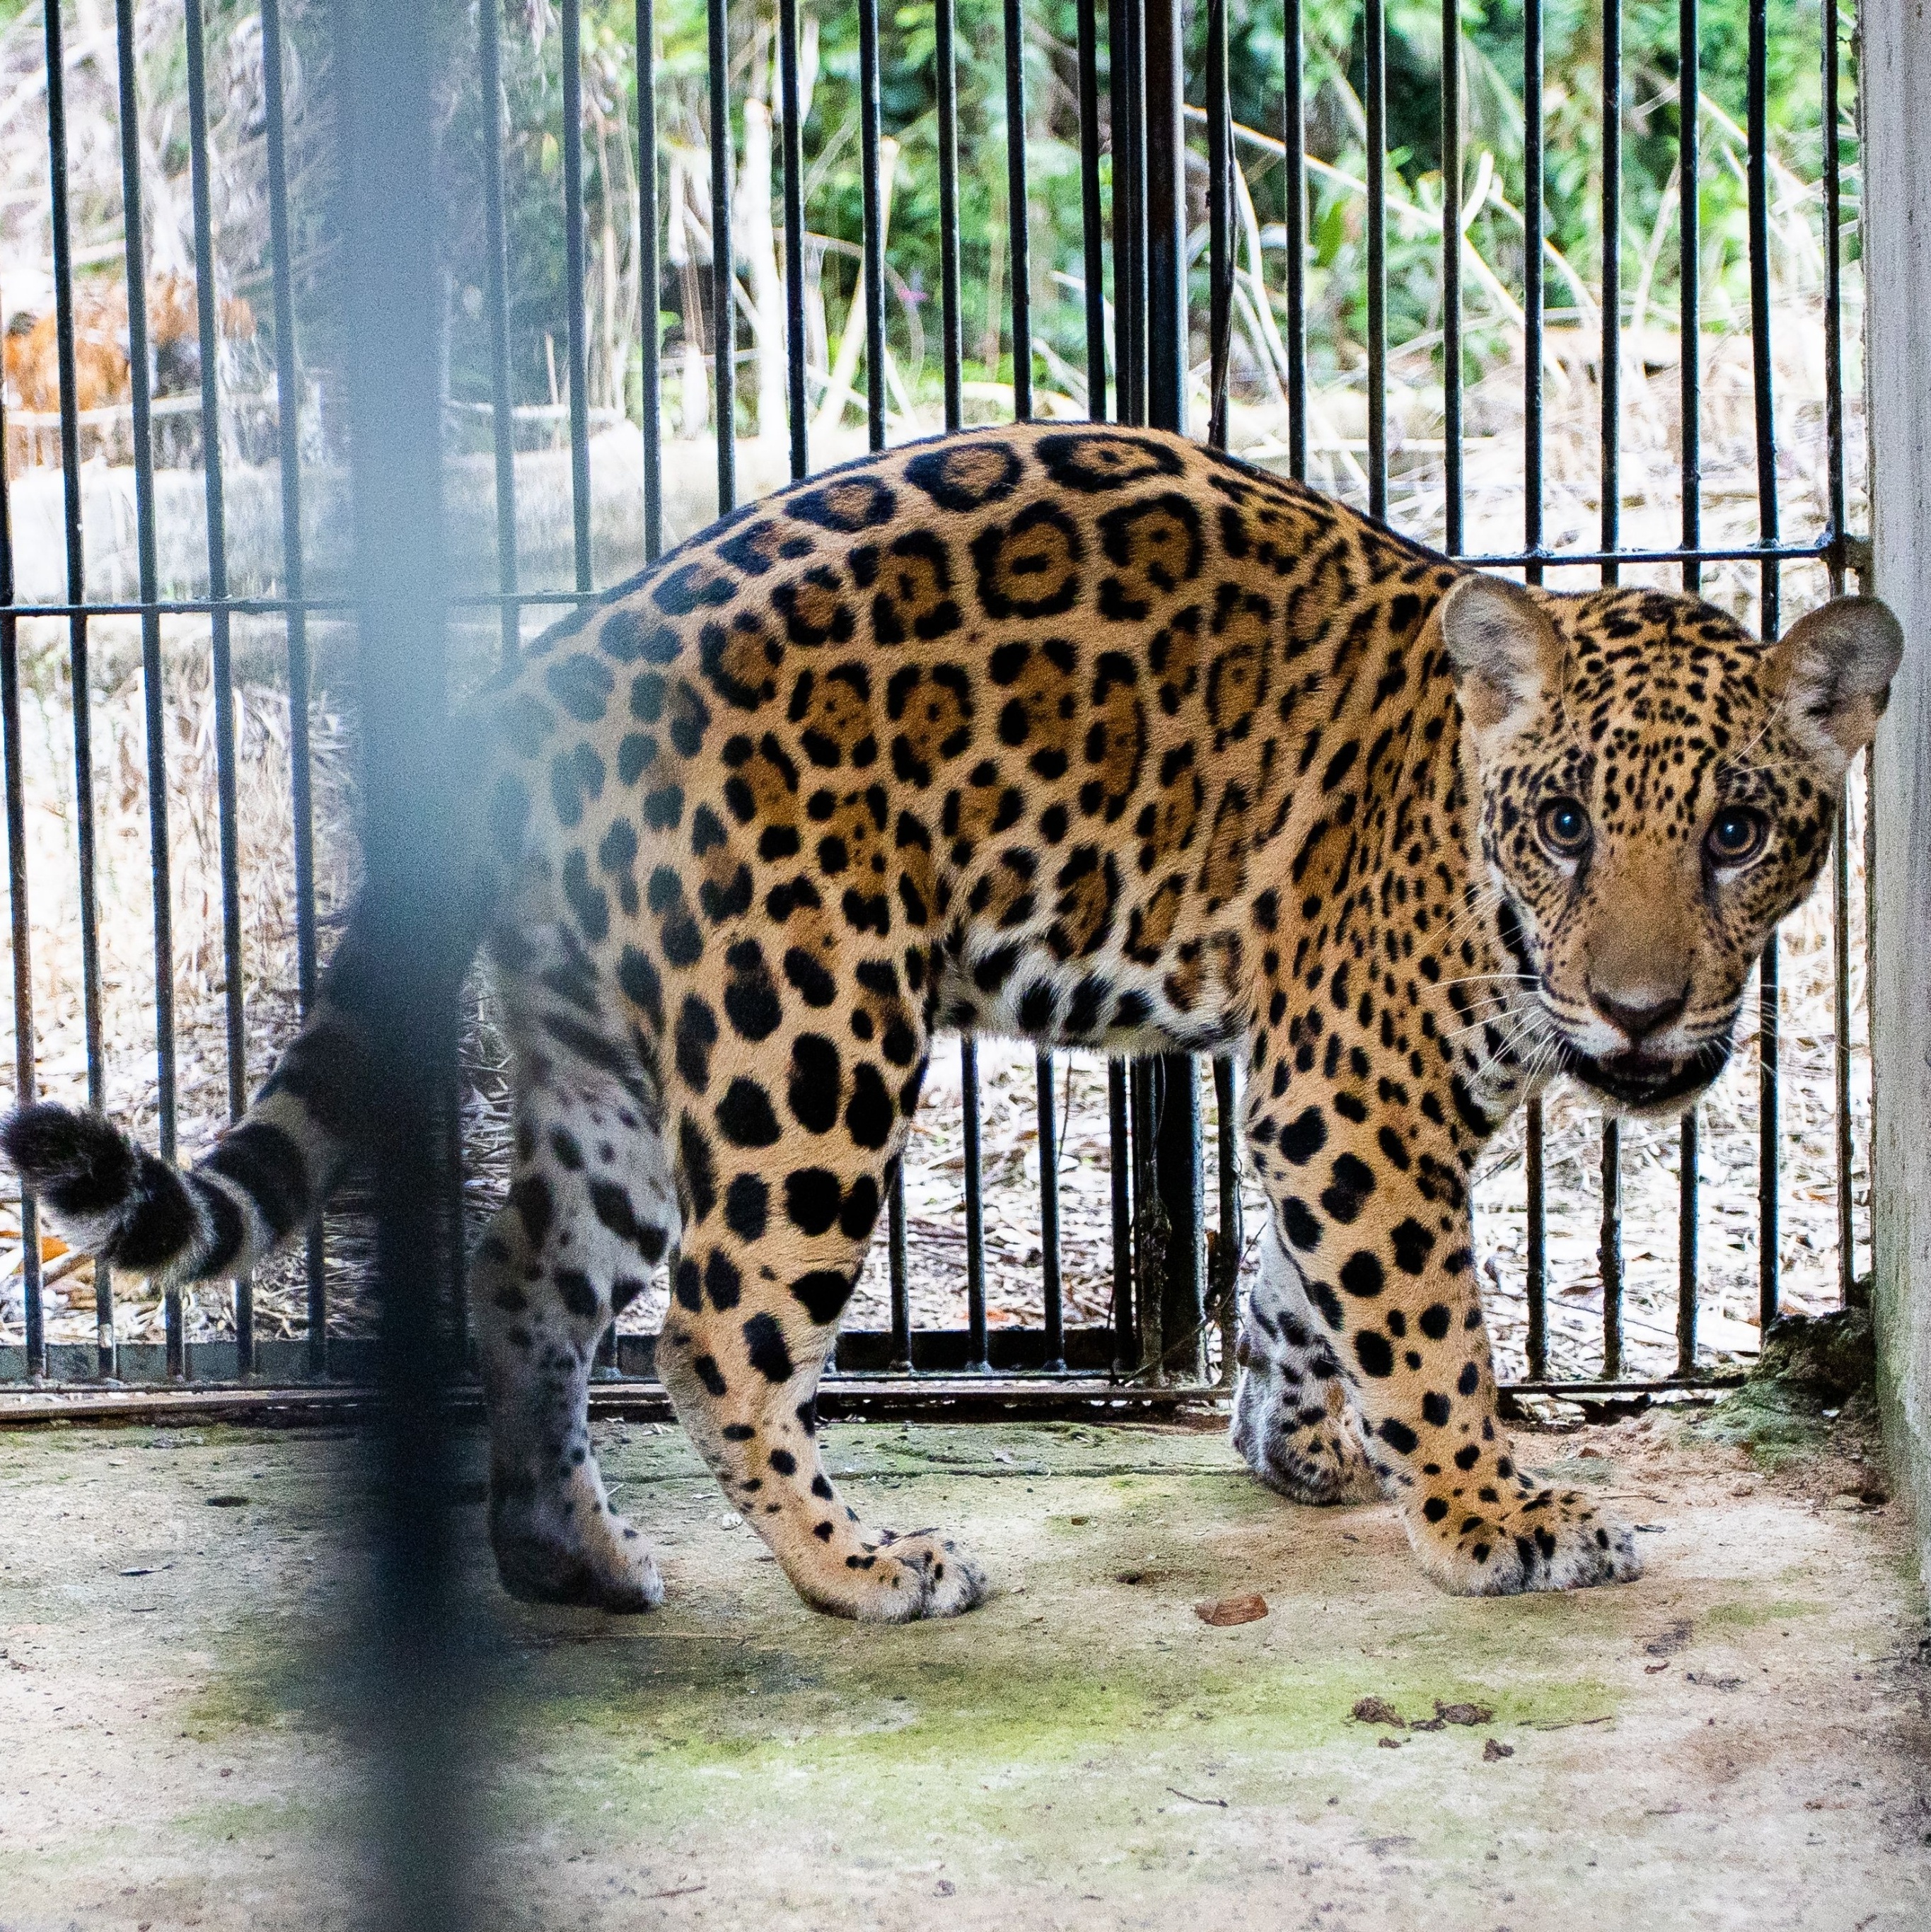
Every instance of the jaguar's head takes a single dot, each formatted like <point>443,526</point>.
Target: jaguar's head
<point>1657,790</point>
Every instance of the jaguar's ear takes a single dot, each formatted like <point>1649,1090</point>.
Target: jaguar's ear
<point>1833,668</point>
<point>1505,653</point>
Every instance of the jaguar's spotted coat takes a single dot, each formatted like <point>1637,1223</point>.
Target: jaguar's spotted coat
<point>1095,736</point>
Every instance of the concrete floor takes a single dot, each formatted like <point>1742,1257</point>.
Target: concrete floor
<point>1742,1739</point>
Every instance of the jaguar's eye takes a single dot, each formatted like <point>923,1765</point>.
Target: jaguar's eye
<point>1737,835</point>
<point>1564,827</point>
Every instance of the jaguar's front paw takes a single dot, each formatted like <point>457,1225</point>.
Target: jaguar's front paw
<point>1536,1540</point>
<point>564,1546</point>
<point>895,1579</point>
<point>1301,1436</point>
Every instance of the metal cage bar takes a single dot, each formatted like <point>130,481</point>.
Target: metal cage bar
<point>1220,253</point>
<point>1836,484</point>
<point>1536,1283</point>
<point>1689,233</point>
<point>1091,222</point>
<point>1769,976</point>
<point>1015,211</point>
<point>1125,56</point>
<point>976,1356</point>
<point>288,413</point>
<point>1611,491</point>
<point>650,398</point>
<point>1374,27</point>
<point>724,314</point>
<point>220,637</point>
<point>502,434</point>
<point>1052,1293</point>
<point>797,401</point>
<point>1294,243</point>
<point>1452,220</point>
<point>952,325</point>
<point>26,1070</point>
<point>576,333</point>
<point>160,869</point>
<point>874,285</point>
<point>78,655</point>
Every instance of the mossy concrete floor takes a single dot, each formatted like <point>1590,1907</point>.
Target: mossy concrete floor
<point>1742,1739</point>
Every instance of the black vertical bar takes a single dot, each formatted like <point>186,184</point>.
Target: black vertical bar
<point>220,639</point>
<point>1123,51</point>
<point>975,1207</point>
<point>1119,1157</point>
<point>576,333</point>
<point>1538,1341</point>
<point>1689,246</point>
<point>1770,1240</point>
<point>1537,1258</point>
<point>1165,221</point>
<point>77,640</point>
<point>1611,508</point>
<point>141,397</point>
<point>1769,988</point>
<point>1840,849</point>
<point>1840,1019</point>
<point>1452,272</point>
<point>1295,192</point>
<point>1220,253</point>
<point>1015,211</point>
<point>20,919</point>
<point>723,278</point>
<point>1182,1193</point>
<point>1226,1278</point>
<point>1376,77</point>
<point>650,398</point>
<point>875,278</point>
<point>1138,211</point>
<point>1833,295</point>
<point>895,1259</point>
<point>288,420</point>
<point>789,106</point>
<point>1127,1148</point>
<point>1050,1287</point>
<point>1092,228</point>
<point>140,393</point>
<point>1611,1253</point>
<point>1687,1242</point>
<point>390,267</point>
<point>1532,299</point>
<point>1760,305</point>
<point>489,33</point>
<point>455,1221</point>
<point>1611,362</point>
<point>875,233</point>
<point>1768,975</point>
<point>1150,1234</point>
<point>1177,1157</point>
<point>952,321</point>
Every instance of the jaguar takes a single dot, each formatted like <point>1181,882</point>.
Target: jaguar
<point>1097,737</point>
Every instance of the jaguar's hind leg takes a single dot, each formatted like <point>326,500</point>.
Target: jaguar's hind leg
<point>591,1212</point>
<point>1296,1422</point>
<point>778,1223</point>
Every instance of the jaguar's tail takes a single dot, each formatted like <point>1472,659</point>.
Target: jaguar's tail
<point>265,1177</point>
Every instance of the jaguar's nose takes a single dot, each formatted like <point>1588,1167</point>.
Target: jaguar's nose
<point>1639,1010</point>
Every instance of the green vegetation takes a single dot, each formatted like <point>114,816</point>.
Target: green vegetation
<point>1492,177</point>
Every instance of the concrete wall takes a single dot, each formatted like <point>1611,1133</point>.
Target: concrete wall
<point>1897,259</point>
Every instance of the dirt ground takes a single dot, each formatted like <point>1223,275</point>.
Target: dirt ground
<point>1741,1739</point>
